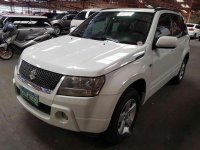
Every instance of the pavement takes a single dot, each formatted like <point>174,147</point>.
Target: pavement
<point>169,120</point>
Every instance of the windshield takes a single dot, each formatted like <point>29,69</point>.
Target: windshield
<point>123,27</point>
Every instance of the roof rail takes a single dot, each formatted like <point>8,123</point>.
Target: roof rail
<point>163,8</point>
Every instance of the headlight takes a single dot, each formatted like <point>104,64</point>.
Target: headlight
<point>81,86</point>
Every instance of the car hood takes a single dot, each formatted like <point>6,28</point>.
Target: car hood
<point>80,57</point>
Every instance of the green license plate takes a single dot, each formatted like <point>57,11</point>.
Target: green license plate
<point>29,96</point>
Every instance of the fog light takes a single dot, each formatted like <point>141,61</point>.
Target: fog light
<point>61,116</point>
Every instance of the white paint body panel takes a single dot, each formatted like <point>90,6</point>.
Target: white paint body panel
<point>75,56</point>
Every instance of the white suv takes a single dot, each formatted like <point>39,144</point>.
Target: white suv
<point>193,30</point>
<point>95,79</point>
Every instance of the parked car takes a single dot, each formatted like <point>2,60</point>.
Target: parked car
<point>49,15</point>
<point>61,22</point>
<point>95,79</point>
<point>28,25</point>
<point>81,16</point>
<point>193,30</point>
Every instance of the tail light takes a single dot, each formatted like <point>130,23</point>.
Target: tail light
<point>191,29</point>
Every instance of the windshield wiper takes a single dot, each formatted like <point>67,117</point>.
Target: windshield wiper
<point>110,39</point>
<point>105,38</point>
<point>77,35</point>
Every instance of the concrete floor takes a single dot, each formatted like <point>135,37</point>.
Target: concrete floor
<point>170,120</point>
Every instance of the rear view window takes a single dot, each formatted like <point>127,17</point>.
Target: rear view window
<point>29,22</point>
<point>81,16</point>
<point>190,25</point>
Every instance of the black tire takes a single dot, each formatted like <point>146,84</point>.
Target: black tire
<point>195,36</point>
<point>6,54</point>
<point>113,134</point>
<point>57,29</point>
<point>178,78</point>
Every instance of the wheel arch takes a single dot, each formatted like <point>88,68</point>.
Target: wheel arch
<point>140,86</point>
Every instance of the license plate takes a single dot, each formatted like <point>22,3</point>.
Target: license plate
<point>29,96</point>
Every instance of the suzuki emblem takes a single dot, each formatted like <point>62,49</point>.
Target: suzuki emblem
<point>33,74</point>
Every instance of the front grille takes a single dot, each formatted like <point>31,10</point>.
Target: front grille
<point>42,78</point>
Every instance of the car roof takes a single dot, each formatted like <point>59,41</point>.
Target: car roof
<point>92,9</point>
<point>148,10</point>
<point>131,9</point>
<point>25,16</point>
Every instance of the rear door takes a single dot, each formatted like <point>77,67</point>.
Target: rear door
<point>180,31</point>
<point>39,25</point>
<point>163,59</point>
<point>66,20</point>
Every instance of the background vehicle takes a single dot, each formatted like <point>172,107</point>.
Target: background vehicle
<point>22,34</point>
<point>81,16</point>
<point>193,30</point>
<point>28,25</point>
<point>61,22</point>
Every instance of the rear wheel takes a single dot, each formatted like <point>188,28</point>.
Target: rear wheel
<point>177,79</point>
<point>123,118</point>
<point>6,54</point>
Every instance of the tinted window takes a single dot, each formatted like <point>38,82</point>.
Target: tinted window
<point>190,25</point>
<point>20,21</point>
<point>183,26</point>
<point>198,26</point>
<point>36,22</point>
<point>92,12</point>
<point>81,15</point>
<point>59,16</point>
<point>164,26</point>
<point>29,22</point>
<point>70,17</point>
<point>176,26</point>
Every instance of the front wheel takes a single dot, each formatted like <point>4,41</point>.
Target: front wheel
<point>57,29</point>
<point>6,54</point>
<point>123,118</point>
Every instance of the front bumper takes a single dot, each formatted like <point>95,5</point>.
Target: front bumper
<point>81,114</point>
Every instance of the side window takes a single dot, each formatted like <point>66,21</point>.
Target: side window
<point>176,26</point>
<point>70,17</point>
<point>97,27</point>
<point>198,26</point>
<point>80,16</point>
<point>164,26</point>
<point>21,22</point>
<point>183,26</point>
<point>92,12</point>
<point>36,22</point>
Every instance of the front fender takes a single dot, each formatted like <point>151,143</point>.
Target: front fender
<point>118,81</point>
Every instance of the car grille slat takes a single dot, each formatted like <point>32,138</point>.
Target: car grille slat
<point>43,78</point>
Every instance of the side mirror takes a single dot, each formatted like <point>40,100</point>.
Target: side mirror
<point>167,42</point>
<point>64,18</point>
